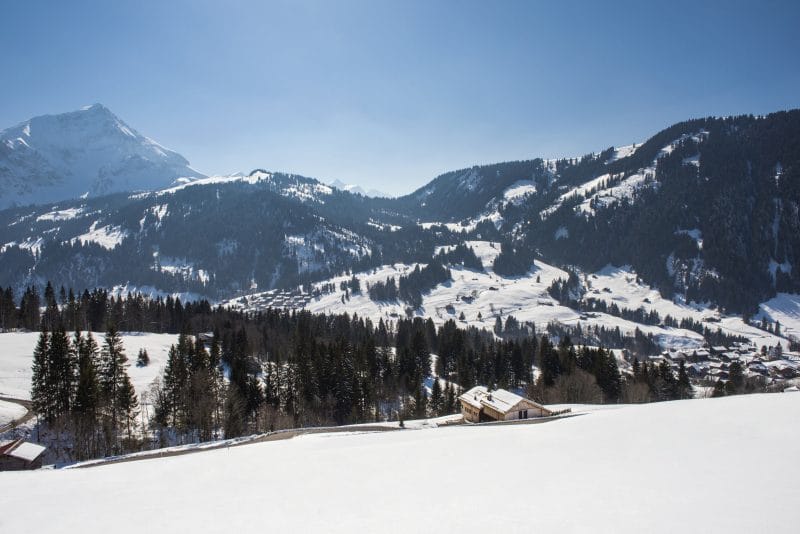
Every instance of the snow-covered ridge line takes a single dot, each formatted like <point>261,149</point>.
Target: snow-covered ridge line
<point>601,191</point>
<point>302,190</point>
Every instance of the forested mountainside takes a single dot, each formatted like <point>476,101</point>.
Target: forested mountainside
<point>707,208</point>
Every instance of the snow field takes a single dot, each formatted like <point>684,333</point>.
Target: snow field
<point>785,308</point>
<point>16,357</point>
<point>10,411</point>
<point>525,298</point>
<point>669,467</point>
<point>619,285</point>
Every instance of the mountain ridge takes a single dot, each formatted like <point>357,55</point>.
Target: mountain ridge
<point>89,152</point>
<point>665,207</point>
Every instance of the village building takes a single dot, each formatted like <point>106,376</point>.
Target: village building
<point>700,355</point>
<point>18,455</point>
<point>479,405</point>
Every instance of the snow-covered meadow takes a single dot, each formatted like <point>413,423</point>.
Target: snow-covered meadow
<point>16,357</point>
<point>711,465</point>
<point>482,297</point>
<point>10,411</point>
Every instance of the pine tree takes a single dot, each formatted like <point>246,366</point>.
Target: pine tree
<point>436,404</point>
<point>218,381</point>
<point>498,326</point>
<point>41,396</point>
<point>176,376</point>
<point>735,378</point>
<point>61,371</point>
<point>87,394</point>
<point>233,413</point>
<point>421,402</point>
<point>114,380</point>
<point>51,315</point>
<point>142,359</point>
<point>549,361</point>
<point>684,385</point>
<point>126,402</point>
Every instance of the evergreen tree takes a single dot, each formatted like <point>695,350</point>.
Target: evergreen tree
<point>127,403</point>
<point>420,402</point>
<point>549,361</point>
<point>142,359</point>
<point>61,374</point>
<point>735,378</point>
<point>437,400</point>
<point>41,395</point>
<point>176,379</point>
<point>114,382</point>
<point>51,315</point>
<point>684,385</point>
<point>87,395</point>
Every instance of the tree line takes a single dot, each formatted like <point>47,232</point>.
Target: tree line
<point>83,390</point>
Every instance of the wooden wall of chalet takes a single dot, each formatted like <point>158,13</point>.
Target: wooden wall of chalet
<point>9,463</point>
<point>470,413</point>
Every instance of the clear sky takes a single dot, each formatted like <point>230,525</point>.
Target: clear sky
<point>389,94</point>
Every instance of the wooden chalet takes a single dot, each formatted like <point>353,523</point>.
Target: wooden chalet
<point>479,405</point>
<point>18,455</point>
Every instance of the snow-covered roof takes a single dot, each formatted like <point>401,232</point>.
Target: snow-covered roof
<point>500,400</point>
<point>473,396</point>
<point>24,451</point>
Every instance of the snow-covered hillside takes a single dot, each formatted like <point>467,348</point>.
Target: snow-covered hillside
<point>10,411</point>
<point>712,465</point>
<point>482,297</point>
<point>86,152</point>
<point>16,357</point>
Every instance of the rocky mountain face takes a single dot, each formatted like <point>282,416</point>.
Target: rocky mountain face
<point>89,152</point>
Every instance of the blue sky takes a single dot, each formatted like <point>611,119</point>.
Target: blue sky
<point>390,94</point>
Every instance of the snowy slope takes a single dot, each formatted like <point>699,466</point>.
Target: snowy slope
<point>784,308</point>
<point>619,285</point>
<point>16,357</point>
<point>669,467</point>
<point>9,411</point>
<point>484,296</point>
<point>602,190</point>
<point>86,152</point>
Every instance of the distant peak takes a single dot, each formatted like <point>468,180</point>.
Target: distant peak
<point>95,107</point>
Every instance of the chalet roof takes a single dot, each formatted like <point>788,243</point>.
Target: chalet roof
<point>22,450</point>
<point>473,396</point>
<point>500,400</point>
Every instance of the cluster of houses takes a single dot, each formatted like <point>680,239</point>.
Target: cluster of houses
<point>293,300</point>
<point>713,363</point>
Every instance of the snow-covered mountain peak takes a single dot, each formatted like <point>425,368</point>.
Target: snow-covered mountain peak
<point>91,150</point>
<point>356,189</point>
